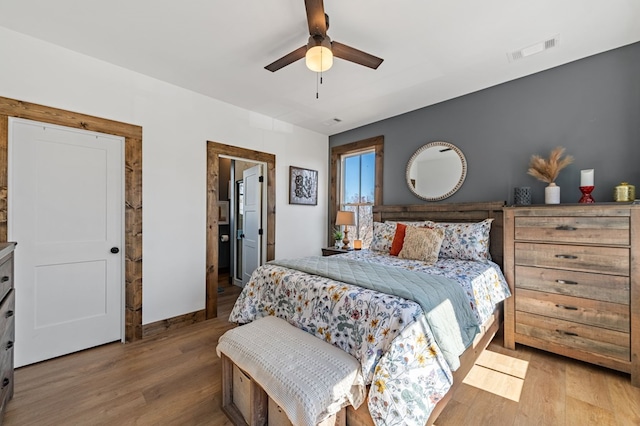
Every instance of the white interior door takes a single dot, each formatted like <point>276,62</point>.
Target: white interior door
<point>252,217</point>
<point>66,213</point>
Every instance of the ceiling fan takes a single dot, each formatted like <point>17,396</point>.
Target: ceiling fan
<point>320,50</point>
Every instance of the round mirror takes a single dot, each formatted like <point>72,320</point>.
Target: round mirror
<point>436,171</point>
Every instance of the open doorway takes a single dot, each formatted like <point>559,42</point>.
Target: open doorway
<point>242,220</point>
<point>217,152</point>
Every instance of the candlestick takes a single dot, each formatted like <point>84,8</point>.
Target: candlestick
<point>586,194</point>
<point>586,177</point>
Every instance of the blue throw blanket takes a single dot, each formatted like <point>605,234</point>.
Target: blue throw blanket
<point>443,300</point>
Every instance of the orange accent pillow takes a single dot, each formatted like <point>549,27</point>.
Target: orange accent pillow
<point>398,239</point>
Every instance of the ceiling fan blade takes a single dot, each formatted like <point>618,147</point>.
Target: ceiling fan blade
<point>316,17</point>
<point>351,54</point>
<point>287,59</point>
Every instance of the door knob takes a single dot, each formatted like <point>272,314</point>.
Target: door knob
<point>115,250</point>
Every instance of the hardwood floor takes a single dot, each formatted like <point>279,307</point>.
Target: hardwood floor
<point>174,379</point>
<point>169,379</point>
<point>532,387</point>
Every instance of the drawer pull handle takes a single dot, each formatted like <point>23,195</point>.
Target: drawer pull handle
<point>567,333</point>
<point>9,314</point>
<point>5,382</point>
<point>566,256</point>
<point>4,279</point>
<point>566,228</point>
<point>570,308</point>
<point>9,345</point>
<point>566,282</point>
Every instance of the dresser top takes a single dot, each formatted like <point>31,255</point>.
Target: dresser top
<point>6,248</point>
<point>574,209</point>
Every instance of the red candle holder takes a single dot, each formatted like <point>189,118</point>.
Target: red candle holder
<point>586,194</point>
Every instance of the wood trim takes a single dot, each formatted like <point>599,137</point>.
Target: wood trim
<point>377,143</point>
<point>211,280</point>
<point>214,150</point>
<point>132,197</point>
<point>45,114</point>
<point>4,171</point>
<point>173,323</point>
<point>133,238</point>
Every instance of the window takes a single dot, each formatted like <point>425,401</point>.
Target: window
<point>356,184</point>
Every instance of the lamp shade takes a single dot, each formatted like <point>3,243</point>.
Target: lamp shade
<point>319,57</point>
<point>345,218</point>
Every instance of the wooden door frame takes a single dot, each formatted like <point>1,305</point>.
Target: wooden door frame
<point>214,151</point>
<point>132,189</point>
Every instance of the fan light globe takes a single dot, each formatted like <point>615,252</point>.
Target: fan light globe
<point>319,57</point>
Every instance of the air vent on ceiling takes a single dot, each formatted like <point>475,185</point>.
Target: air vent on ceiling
<point>332,121</point>
<point>533,49</point>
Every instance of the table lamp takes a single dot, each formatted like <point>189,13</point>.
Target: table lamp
<point>346,219</point>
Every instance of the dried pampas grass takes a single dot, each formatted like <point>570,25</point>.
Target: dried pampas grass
<point>548,170</point>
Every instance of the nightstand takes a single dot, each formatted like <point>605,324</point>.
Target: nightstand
<point>330,251</point>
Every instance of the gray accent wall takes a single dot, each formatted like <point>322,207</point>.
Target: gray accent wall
<point>590,106</point>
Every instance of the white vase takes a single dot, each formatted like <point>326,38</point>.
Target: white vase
<point>552,194</point>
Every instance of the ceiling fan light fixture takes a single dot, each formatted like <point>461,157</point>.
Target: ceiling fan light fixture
<point>319,57</point>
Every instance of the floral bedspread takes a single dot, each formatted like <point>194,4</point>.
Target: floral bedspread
<point>388,335</point>
<point>483,280</point>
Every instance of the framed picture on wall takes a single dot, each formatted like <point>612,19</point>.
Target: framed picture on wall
<point>303,186</point>
<point>223,212</point>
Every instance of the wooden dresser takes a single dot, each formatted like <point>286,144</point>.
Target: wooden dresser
<point>574,275</point>
<point>7,333</point>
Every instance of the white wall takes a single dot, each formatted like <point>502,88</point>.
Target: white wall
<point>176,125</point>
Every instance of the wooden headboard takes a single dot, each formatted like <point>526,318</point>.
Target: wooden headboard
<point>450,212</point>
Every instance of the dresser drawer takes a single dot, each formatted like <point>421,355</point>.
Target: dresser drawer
<point>7,331</point>
<point>612,316</point>
<point>6,382</point>
<point>7,313</point>
<point>608,288</point>
<point>6,277</point>
<point>567,229</point>
<point>585,338</point>
<point>606,260</point>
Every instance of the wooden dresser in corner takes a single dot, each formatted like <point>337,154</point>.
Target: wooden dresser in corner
<point>574,272</point>
<point>7,303</point>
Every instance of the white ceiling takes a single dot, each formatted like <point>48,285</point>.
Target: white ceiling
<point>433,50</point>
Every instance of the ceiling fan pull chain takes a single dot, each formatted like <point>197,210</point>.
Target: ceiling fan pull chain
<point>317,85</point>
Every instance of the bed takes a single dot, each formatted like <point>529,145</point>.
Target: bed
<point>414,331</point>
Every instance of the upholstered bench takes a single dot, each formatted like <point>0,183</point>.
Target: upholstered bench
<point>274,373</point>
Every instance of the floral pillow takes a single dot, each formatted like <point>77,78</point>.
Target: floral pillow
<point>418,223</point>
<point>465,241</point>
<point>422,244</point>
<point>383,233</point>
